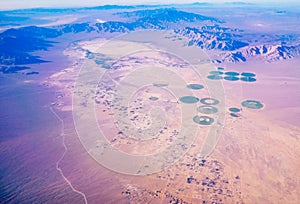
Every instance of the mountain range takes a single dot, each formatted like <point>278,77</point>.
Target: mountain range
<point>230,44</point>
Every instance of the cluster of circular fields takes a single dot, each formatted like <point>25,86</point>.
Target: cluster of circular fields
<point>220,74</point>
<point>191,99</point>
<point>251,104</point>
<point>207,107</point>
<point>234,112</point>
<point>208,104</point>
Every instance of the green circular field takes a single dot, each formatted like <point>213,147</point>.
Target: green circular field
<point>235,110</point>
<point>248,79</point>
<point>153,98</point>
<point>195,86</point>
<point>231,78</point>
<point>232,73</point>
<point>189,99</point>
<point>215,77</point>
<point>234,115</point>
<point>209,101</point>
<point>160,85</point>
<point>216,72</point>
<point>252,104</point>
<point>203,120</point>
<point>248,74</point>
<point>207,109</point>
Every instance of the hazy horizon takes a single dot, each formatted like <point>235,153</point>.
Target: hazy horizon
<point>149,101</point>
<point>17,4</point>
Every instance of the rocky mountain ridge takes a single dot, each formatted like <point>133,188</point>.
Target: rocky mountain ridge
<point>229,44</point>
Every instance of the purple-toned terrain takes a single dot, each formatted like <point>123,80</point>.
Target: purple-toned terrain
<point>227,74</point>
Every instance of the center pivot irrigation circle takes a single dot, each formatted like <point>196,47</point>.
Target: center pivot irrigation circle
<point>94,72</point>
<point>203,120</point>
<point>252,104</point>
<point>207,109</point>
<point>209,101</point>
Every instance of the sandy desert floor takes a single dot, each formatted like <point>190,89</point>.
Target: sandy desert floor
<point>255,161</point>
